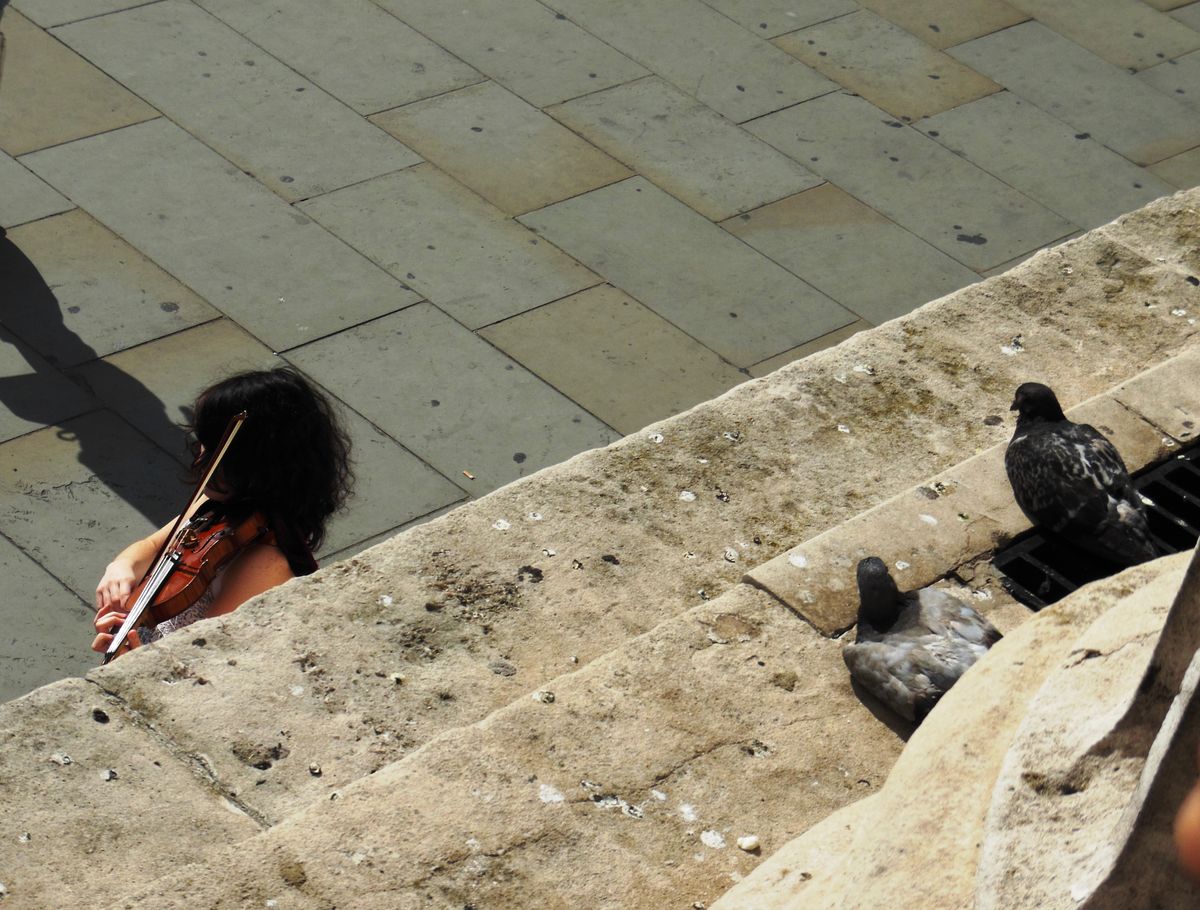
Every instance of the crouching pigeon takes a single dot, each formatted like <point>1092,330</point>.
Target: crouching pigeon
<point>911,648</point>
<point>1070,481</point>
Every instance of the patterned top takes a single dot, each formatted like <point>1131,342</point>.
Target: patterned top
<point>194,613</point>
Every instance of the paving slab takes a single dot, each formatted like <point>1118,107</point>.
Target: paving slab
<point>161,408</point>
<point>23,197</point>
<point>1065,170</point>
<point>363,56</point>
<point>604,350</point>
<point>521,44</point>
<point>81,292</point>
<point>726,296</point>
<point>223,234</point>
<point>451,246</point>
<point>506,150</point>
<point>451,398</point>
<point>768,18</point>
<point>867,263</point>
<point>1189,15</point>
<point>46,625</point>
<point>1089,93</point>
<point>94,769</point>
<point>1128,33</point>
<point>944,23</point>
<point>32,392</point>
<point>89,487</point>
<point>684,147</point>
<point>236,98</point>
<point>393,486</point>
<point>676,38</point>
<point>974,218</point>
<point>53,95</point>
<point>1179,78</point>
<point>799,352</point>
<point>1182,170</point>
<point>47,13</point>
<point>887,65</point>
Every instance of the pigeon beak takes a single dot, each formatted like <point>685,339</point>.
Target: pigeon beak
<point>1014,406</point>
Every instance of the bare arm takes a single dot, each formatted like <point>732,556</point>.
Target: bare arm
<point>127,568</point>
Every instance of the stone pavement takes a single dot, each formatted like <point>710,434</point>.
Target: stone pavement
<point>500,234</point>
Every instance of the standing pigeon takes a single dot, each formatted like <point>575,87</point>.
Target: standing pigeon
<point>911,648</point>
<point>1070,481</point>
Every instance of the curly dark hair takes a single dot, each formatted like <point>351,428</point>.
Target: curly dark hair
<point>291,457</point>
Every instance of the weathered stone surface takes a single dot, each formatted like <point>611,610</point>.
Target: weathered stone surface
<point>920,836</point>
<point>91,777</point>
<point>1166,395</point>
<point>954,518</point>
<point>1052,829</point>
<point>638,773</point>
<point>383,662</point>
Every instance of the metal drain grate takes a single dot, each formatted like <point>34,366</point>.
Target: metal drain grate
<point>1037,571</point>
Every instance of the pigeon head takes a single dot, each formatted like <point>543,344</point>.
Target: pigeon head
<point>1038,401</point>
<point>878,596</point>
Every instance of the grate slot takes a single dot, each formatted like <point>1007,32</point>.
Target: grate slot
<point>1038,570</point>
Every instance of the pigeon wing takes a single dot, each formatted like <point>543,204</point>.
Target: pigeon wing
<point>1062,475</point>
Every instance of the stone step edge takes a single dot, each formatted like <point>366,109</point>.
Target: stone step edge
<point>967,512</point>
<point>994,695</point>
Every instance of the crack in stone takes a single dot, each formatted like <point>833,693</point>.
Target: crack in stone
<point>195,762</point>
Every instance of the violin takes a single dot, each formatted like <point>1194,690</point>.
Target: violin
<point>204,539</point>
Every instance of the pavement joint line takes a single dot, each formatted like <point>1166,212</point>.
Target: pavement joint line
<point>62,584</point>
<point>441,94</point>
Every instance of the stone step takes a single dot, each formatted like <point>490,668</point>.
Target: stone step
<point>917,843</point>
<point>327,680</point>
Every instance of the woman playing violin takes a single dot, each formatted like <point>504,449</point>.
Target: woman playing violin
<point>288,467</point>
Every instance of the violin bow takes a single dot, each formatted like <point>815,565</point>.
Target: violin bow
<point>167,558</point>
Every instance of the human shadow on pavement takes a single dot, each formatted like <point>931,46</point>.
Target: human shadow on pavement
<point>120,457</point>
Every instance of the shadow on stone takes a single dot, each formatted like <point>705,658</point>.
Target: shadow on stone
<point>28,299</point>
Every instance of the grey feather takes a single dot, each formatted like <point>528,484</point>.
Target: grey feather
<point>911,648</point>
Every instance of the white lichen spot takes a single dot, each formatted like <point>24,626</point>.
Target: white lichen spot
<point>108,774</point>
<point>61,758</point>
<point>839,377</point>
<point>1016,346</point>
<point>272,904</point>
<point>501,525</point>
<point>928,519</point>
<point>842,428</point>
<point>687,496</point>
<point>659,795</point>
<point>749,843</point>
<point>688,812</point>
<point>656,437</point>
<point>808,597</point>
<point>864,368</point>
<point>1178,311</point>
<point>25,837</point>
<point>713,839</point>
<point>733,436</point>
<point>689,555</point>
<point>549,551</point>
<point>902,565</point>
<point>702,460</point>
<point>535,516</point>
<point>731,555</point>
<point>546,698</point>
<point>472,843</point>
<point>1079,891</point>
<point>799,560</point>
<point>548,794</point>
<point>385,600</point>
<point>1169,443</point>
<point>357,857</point>
<point>297,690</point>
<point>982,594</point>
